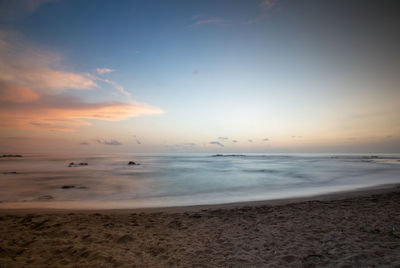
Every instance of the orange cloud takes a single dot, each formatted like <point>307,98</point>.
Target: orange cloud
<point>32,91</point>
<point>62,113</point>
<point>16,94</point>
<point>23,64</point>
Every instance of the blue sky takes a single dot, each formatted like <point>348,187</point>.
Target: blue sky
<point>292,76</point>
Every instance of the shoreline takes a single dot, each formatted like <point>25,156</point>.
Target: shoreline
<point>353,229</point>
<point>338,195</point>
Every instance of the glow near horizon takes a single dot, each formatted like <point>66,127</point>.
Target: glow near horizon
<point>177,82</point>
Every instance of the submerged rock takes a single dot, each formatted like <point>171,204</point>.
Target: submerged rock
<point>67,186</point>
<point>72,164</point>
<point>11,155</point>
<point>131,163</point>
<point>11,172</point>
<point>73,187</point>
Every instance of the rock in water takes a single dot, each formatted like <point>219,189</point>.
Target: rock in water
<point>67,186</point>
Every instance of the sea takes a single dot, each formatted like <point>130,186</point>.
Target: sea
<point>166,180</point>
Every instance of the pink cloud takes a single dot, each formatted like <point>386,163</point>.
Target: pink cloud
<point>33,91</point>
<point>16,94</point>
<point>23,64</point>
<point>62,113</point>
<point>207,21</point>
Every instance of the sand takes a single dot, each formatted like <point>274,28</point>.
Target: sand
<point>352,231</point>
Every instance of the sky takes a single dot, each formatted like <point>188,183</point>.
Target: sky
<point>260,76</point>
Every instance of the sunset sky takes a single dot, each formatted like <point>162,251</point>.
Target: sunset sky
<point>199,76</point>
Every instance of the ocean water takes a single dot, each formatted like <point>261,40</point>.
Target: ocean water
<point>46,181</point>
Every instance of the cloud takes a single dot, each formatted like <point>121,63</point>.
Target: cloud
<point>250,140</point>
<point>11,10</point>
<point>104,70</point>
<point>16,94</point>
<point>24,65</point>
<point>84,143</point>
<point>235,141</point>
<point>223,138</point>
<point>216,143</point>
<point>108,142</point>
<point>64,113</point>
<point>33,91</point>
<point>112,142</point>
<point>297,137</point>
<point>115,85</point>
<point>203,21</point>
<point>266,139</point>
<point>268,4</point>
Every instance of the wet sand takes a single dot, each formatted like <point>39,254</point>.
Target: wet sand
<point>357,229</point>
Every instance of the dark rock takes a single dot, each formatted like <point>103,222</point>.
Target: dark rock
<point>67,186</point>
<point>11,155</point>
<point>11,172</point>
<point>131,163</point>
<point>72,164</point>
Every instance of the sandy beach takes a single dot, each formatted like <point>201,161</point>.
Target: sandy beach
<point>357,229</point>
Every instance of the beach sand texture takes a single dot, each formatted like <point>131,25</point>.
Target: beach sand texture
<point>354,232</point>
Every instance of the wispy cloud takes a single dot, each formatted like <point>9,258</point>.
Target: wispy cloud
<point>84,143</point>
<point>23,64</point>
<point>235,141</point>
<point>115,85</point>
<point>33,91</point>
<point>62,113</point>
<point>250,140</point>
<point>266,139</point>
<point>207,21</point>
<point>223,138</point>
<point>103,70</point>
<point>216,143</point>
